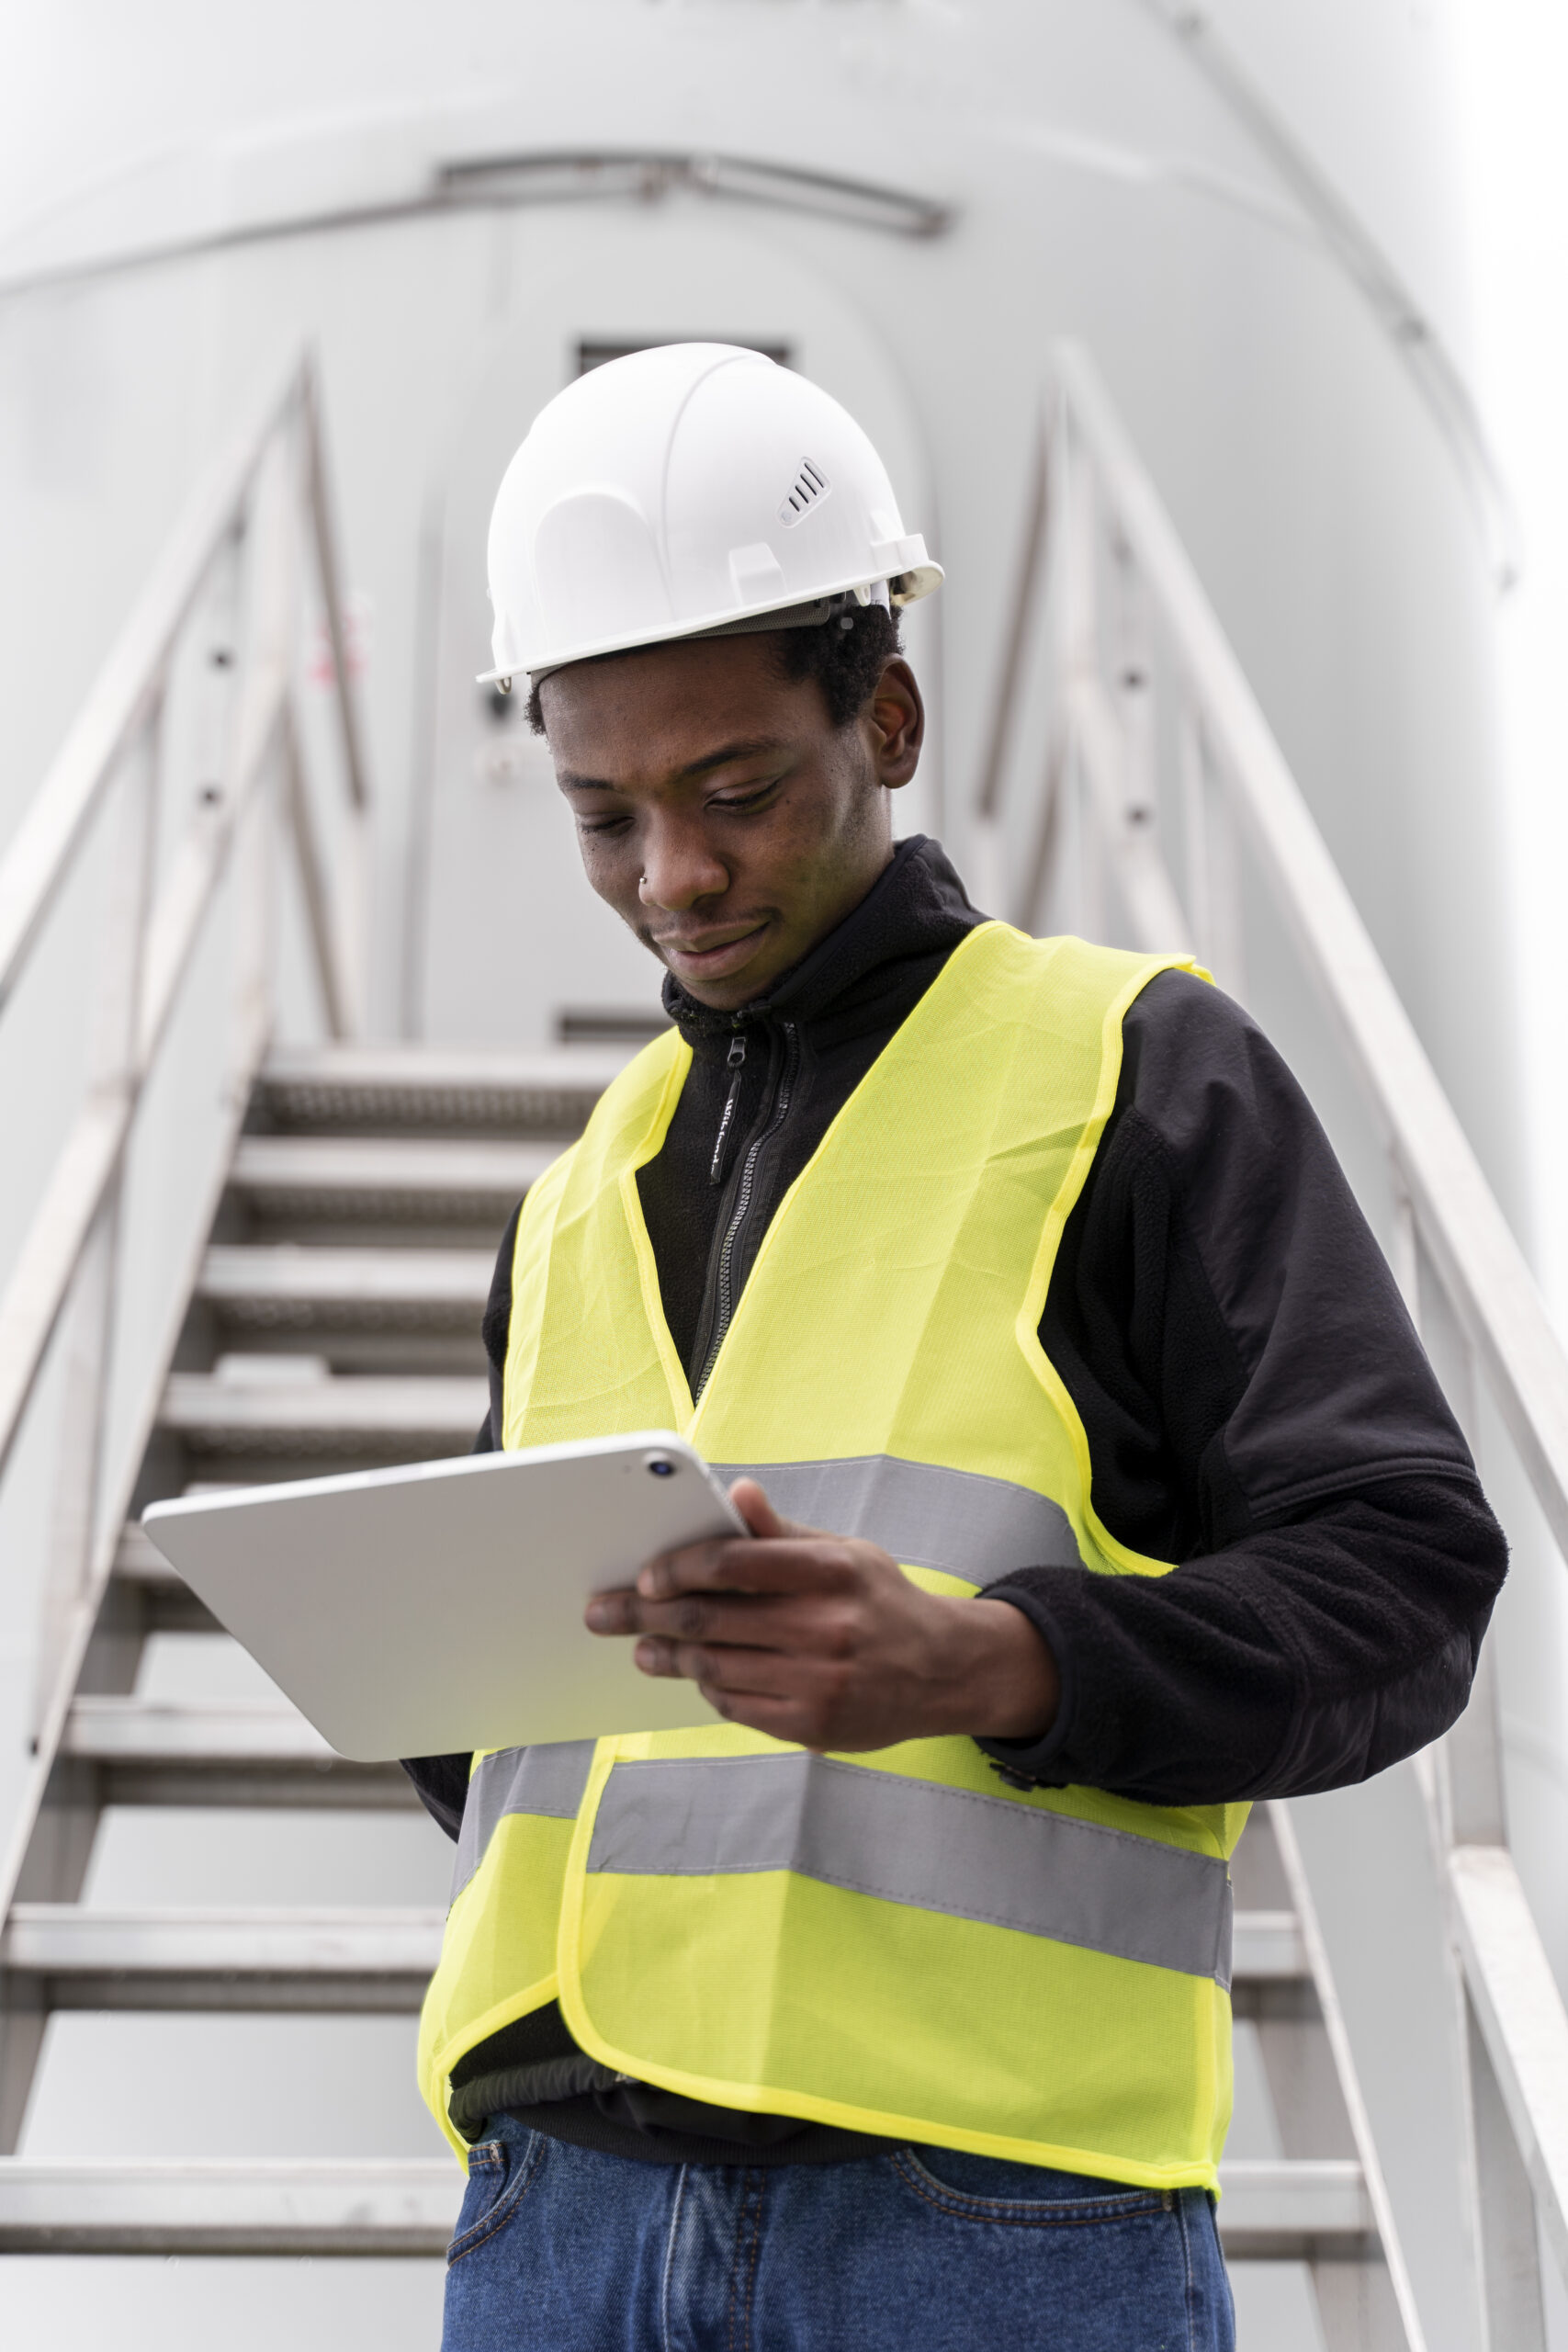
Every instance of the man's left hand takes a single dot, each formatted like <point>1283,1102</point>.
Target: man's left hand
<point>823,1641</point>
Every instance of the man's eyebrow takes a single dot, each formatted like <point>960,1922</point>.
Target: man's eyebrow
<point>726,752</point>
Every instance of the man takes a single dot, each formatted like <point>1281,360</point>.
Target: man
<point>888,2005</point>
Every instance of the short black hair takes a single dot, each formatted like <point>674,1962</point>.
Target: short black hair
<point>846,656</point>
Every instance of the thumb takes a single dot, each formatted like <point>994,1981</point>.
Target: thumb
<point>758,1512</point>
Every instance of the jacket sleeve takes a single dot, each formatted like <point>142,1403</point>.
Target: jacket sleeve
<point>1258,1410</point>
<point>442,1784</point>
<point>443,1781</point>
<point>497,1329</point>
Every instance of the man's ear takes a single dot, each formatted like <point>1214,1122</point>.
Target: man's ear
<point>897,724</point>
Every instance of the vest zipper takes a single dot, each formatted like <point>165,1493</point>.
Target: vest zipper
<point>725,1303</point>
<point>736,1061</point>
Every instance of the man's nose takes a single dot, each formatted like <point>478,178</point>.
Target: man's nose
<point>679,868</point>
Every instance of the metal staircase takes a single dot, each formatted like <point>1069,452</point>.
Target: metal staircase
<point>348,1200</point>
<point>333,1325</point>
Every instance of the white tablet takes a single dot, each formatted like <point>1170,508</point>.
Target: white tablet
<point>439,1606</point>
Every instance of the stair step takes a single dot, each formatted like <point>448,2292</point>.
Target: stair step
<point>1304,2210</point>
<point>251,1752</point>
<point>1271,1976</point>
<point>432,1087</point>
<point>392,1417</point>
<point>286,1287</point>
<point>390,2206</point>
<point>236,1960</point>
<point>1269,1950</point>
<point>219,2205</point>
<point>385,1180</point>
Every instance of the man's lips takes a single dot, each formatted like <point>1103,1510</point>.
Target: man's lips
<point>716,950</point>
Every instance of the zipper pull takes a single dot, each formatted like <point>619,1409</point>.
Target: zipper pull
<point>735,1061</point>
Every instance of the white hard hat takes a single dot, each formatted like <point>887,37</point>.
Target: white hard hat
<point>691,489</point>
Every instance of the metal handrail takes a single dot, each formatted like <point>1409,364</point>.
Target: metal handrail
<point>43,850</point>
<point>121,708</point>
<point>1096,495</point>
<point>259,524</point>
<point>1482,1266</point>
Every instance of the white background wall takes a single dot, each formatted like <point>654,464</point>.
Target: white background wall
<point>1512,85</point>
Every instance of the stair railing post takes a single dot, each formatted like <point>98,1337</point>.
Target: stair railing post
<point>1042,880</point>
<point>1503,2209</point>
<point>90,1317</point>
<point>1368,2306</point>
<point>1469,1811</point>
<point>1038,902</point>
<point>1225,889</point>
<point>1192,792</point>
<point>349,900</point>
<point>1464,1781</point>
<point>1119,745</point>
<point>1133,691</point>
<point>258,853</point>
<point>1077,647</point>
<point>1021,626</point>
<point>333,899</point>
<point>1405,1242</point>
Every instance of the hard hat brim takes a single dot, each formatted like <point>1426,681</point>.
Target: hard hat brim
<point>903,587</point>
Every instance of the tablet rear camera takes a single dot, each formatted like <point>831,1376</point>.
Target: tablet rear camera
<point>658,1465</point>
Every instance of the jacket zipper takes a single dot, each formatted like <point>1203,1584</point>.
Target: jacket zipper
<point>726,1314</point>
<point>736,1061</point>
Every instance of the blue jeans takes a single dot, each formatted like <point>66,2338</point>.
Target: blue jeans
<point>561,2250</point>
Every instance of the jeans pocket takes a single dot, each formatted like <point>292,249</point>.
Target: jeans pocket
<point>991,2188</point>
<point>500,2173</point>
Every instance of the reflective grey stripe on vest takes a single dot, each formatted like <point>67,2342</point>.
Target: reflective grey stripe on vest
<point>551,1781</point>
<point>939,1849</point>
<point>970,1526</point>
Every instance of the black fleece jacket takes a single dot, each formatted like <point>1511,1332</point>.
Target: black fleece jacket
<point>1256,1404</point>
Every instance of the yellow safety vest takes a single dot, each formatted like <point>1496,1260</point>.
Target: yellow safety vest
<point>894,1942</point>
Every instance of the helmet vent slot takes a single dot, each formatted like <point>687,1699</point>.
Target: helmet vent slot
<point>809,487</point>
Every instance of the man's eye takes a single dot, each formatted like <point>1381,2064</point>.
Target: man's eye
<point>603,824</point>
<point>747,799</point>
